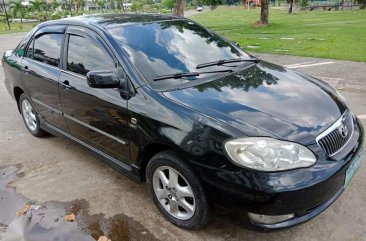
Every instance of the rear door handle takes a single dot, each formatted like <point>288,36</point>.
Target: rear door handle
<point>66,85</point>
<point>26,69</point>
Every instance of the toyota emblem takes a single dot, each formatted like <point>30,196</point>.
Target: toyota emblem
<point>343,130</point>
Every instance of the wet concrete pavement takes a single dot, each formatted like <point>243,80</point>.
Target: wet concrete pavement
<point>45,221</point>
<point>61,177</point>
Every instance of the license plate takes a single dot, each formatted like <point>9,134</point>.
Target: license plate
<point>352,169</point>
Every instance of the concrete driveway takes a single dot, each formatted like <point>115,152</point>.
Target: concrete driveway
<point>64,178</point>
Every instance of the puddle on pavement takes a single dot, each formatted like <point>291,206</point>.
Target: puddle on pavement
<point>45,221</point>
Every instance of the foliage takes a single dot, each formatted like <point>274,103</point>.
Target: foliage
<point>57,15</point>
<point>363,4</point>
<point>54,5</point>
<point>213,3</point>
<point>18,8</point>
<point>169,4</point>
<point>101,3</point>
<point>325,34</point>
<point>38,6</point>
<point>304,3</point>
<point>137,6</point>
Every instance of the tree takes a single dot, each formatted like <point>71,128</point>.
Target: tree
<point>112,5</point>
<point>263,21</point>
<point>363,4</point>
<point>38,6</point>
<point>101,3</point>
<point>179,8</point>
<point>77,3</point>
<point>55,5</point>
<point>6,14</point>
<point>17,7</point>
<point>291,6</point>
<point>136,6</point>
<point>213,3</point>
<point>169,4</point>
<point>82,4</point>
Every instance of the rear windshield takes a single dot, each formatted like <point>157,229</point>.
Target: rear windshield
<point>169,47</point>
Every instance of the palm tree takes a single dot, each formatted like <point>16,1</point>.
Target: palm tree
<point>17,7</point>
<point>55,5</point>
<point>38,6</point>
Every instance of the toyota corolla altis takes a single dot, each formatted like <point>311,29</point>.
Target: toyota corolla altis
<point>164,100</point>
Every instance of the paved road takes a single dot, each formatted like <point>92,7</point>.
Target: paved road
<point>58,170</point>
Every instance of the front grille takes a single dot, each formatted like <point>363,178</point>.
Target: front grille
<point>337,136</point>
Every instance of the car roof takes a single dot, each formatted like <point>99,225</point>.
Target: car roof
<point>110,20</point>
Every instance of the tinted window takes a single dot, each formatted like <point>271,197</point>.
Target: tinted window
<point>168,47</point>
<point>85,54</point>
<point>47,49</point>
<point>29,53</point>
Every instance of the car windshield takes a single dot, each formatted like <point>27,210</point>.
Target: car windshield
<point>173,46</point>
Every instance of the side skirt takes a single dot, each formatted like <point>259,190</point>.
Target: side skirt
<point>129,171</point>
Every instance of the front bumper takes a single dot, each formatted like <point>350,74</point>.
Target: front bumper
<point>300,219</point>
<point>305,192</point>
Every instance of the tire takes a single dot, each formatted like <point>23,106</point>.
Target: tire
<point>186,203</point>
<point>30,117</point>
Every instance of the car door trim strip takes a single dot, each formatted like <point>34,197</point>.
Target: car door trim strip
<point>79,122</point>
<point>112,159</point>
<point>47,106</point>
<point>94,129</point>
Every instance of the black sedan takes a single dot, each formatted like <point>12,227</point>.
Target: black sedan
<point>164,100</point>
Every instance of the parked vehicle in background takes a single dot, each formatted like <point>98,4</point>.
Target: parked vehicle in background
<point>166,101</point>
<point>199,9</point>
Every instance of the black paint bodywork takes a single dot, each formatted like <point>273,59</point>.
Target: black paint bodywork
<point>127,126</point>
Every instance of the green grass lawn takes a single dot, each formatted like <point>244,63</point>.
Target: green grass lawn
<point>15,27</point>
<point>333,34</point>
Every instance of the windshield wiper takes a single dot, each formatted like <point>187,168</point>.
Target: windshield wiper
<point>188,74</point>
<point>226,61</point>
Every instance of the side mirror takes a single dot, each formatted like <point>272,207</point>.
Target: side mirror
<point>103,79</point>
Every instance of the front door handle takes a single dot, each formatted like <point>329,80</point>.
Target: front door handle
<point>66,85</point>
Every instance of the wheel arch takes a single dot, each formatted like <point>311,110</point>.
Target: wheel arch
<point>145,155</point>
<point>147,152</point>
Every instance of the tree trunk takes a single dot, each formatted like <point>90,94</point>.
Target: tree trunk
<point>363,6</point>
<point>264,13</point>
<point>179,8</point>
<point>291,5</point>
<point>6,14</point>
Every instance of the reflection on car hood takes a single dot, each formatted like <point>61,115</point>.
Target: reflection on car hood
<point>267,100</point>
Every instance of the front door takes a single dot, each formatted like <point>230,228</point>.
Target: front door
<point>97,117</point>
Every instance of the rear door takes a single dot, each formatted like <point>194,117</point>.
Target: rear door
<point>41,71</point>
<point>97,117</point>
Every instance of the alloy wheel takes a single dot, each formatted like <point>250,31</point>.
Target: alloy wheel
<point>174,193</point>
<point>29,115</point>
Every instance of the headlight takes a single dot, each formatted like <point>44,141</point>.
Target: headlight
<point>268,154</point>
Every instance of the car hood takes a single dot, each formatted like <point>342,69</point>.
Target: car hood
<point>267,100</point>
